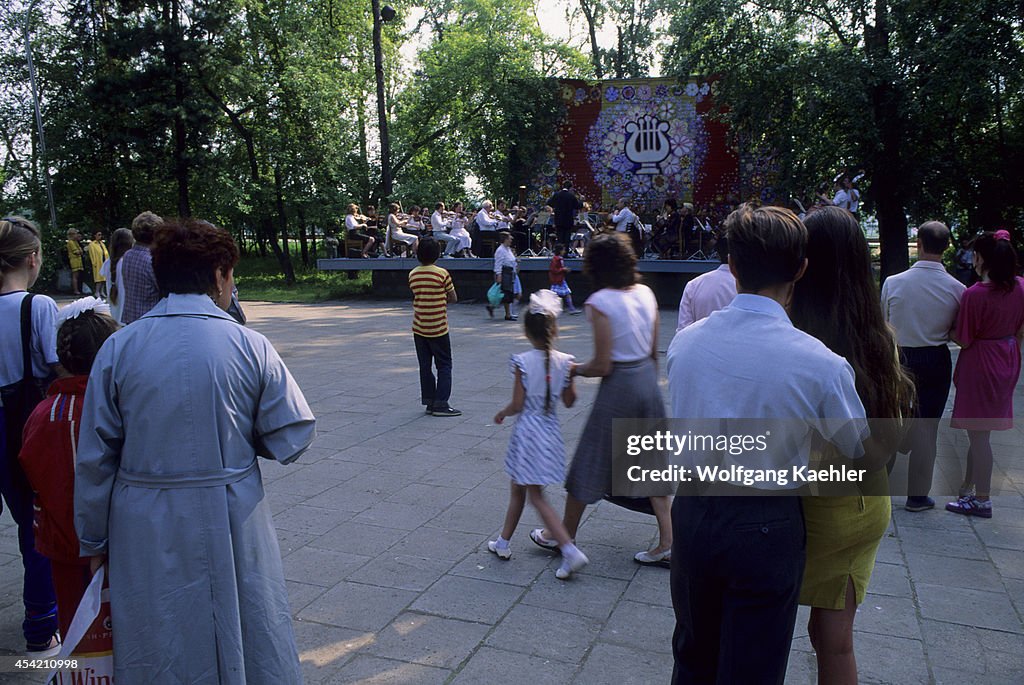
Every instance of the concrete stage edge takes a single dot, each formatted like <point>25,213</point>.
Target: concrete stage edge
<point>473,277</point>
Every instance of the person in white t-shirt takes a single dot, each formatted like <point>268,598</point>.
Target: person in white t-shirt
<point>623,216</point>
<point>846,195</point>
<point>439,225</point>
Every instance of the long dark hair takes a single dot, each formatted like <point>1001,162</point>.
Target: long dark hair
<point>999,259</point>
<point>120,242</point>
<point>541,328</point>
<point>837,302</point>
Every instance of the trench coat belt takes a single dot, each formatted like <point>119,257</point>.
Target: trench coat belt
<point>195,479</point>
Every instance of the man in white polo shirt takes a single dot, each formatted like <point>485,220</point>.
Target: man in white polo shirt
<point>922,304</point>
<point>738,561</point>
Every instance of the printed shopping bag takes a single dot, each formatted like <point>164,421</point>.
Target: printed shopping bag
<point>88,650</point>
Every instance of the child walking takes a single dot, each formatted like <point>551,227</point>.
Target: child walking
<point>536,452</point>
<point>556,275</point>
<point>48,452</point>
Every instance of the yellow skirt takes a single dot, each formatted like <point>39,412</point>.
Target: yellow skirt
<point>843,534</point>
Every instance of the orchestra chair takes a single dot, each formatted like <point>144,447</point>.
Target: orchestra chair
<point>353,245</point>
<point>488,243</point>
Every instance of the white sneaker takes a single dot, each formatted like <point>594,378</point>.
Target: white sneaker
<point>572,561</point>
<point>503,552</point>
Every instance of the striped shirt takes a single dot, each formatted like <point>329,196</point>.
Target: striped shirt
<point>140,289</point>
<point>430,286</point>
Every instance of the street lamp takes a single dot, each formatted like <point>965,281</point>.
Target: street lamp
<point>381,15</point>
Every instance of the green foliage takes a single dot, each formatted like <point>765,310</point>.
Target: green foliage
<point>260,279</point>
<point>926,97</point>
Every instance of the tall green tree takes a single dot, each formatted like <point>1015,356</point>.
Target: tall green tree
<point>920,95</point>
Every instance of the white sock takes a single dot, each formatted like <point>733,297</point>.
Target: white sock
<point>501,542</point>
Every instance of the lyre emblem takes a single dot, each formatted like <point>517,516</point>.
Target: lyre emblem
<point>648,144</point>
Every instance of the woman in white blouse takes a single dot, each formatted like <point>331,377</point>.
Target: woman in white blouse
<point>395,226</point>
<point>505,267</point>
<point>624,316</point>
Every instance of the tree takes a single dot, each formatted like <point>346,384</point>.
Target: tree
<point>911,92</point>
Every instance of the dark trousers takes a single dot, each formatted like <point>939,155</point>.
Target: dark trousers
<point>931,368</point>
<point>37,590</point>
<point>437,351</point>
<point>737,565</point>
<point>563,232</point>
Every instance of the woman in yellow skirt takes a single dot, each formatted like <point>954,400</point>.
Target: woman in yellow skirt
<point>74,248</point>
<point>837,301</point>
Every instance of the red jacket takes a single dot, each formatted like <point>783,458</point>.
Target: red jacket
<point>49,445</point>
<point>556,270</point>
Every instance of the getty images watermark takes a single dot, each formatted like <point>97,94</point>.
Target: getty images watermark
<point>822,457</point>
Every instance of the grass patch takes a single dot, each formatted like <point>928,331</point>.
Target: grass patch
<point>260,278</point>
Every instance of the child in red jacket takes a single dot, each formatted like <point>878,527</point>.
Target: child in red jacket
<point>48,451</point>
<point>556,275</point>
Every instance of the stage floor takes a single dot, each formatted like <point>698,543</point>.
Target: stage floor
<point>666,266</point>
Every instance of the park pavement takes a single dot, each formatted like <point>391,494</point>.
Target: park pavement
<point>383,526</point>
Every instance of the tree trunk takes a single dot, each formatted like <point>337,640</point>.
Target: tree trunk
<point>284,257</point>
<point>179,132</point>
<point>595,51</point>
<point>382,113</point>
<point>303,243</point>
<point>887,184</point>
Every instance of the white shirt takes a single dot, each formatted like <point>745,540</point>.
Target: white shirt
<point>847,199</point>
<point>484,221</point>
<point>504,256</point>
<point>748,361</point>
<point>633,314</point>
<point>43,342</point>
<point>437,222</point>
<point>705,294</point>
<point>623,218</point>
<point>922,304</point>
<point>351,222</point>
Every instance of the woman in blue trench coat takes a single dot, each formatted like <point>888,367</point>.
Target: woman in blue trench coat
<point>179,405</point>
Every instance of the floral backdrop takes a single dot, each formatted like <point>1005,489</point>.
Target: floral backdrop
<point>643,139</point>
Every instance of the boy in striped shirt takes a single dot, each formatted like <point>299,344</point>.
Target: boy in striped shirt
<point>432,290</point>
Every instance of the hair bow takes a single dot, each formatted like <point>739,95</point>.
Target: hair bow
<point>80,306</point>
<point>545,302</point>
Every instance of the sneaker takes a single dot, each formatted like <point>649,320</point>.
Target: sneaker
<point>648,558</point>
<point>537,535</point>
<point>428,410</point>
<point>503,551</point>
<point>47,650</point>
<point>575,311</point>
<point>571,562</point>
<point>446,411</point>
<point>971,506</point>
<point>921,503</point>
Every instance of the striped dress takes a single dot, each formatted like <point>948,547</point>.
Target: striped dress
<point>430,286</point>
<point>536,452</point>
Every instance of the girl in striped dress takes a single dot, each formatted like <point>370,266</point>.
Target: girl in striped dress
<point>536,452</point>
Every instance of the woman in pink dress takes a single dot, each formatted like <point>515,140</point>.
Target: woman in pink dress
<point>990,330</point>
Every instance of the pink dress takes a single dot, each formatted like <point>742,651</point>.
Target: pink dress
<point>989,363</point>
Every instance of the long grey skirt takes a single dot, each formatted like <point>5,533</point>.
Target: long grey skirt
<point>629,392</point>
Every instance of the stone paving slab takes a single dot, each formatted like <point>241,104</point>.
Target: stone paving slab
<point>383,527</point>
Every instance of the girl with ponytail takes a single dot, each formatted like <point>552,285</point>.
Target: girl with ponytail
<point>536,452</point>
<point>989,330</point>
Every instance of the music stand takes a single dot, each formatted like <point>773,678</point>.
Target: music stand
<point>699,254</point>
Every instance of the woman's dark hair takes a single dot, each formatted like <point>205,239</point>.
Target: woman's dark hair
<point>121,241</point>
<point>80,338</point>
<point>541,328</point>
<point>999,259</point>
<point>671,202</point>
<point>187,254</point>
<point>428,251</point>
<point>503,236</point>
<point>837,302</point>
<point>393,208</point>
<point>610,262</point>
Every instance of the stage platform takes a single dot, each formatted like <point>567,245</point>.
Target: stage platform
<point>474,276</point>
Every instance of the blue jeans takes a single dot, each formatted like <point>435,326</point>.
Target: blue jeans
<point>40,602</point>
<point>437,352</point>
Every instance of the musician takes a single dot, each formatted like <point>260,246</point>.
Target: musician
<point>415,221</point>
<point>440,221</point>
<point>396,224</point>
<point>691,229</point>
<point>356,228</point>
<point>459,232</point>
<point>565,204</point>
<point>666,229</point>
<point>583,231</point>
<point>485,220</point>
